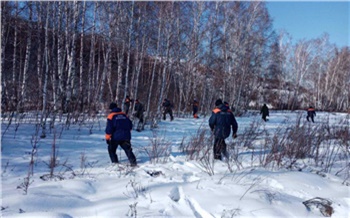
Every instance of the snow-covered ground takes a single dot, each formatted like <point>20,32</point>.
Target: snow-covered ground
<point>84,184</point>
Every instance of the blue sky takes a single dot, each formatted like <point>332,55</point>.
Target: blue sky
<point>309,20</point>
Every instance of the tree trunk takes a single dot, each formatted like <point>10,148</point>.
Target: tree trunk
<point>15,78</point>
<point>23,96</point>
<point>81,73</point>
<point>92,59</point>
<point>71,50</point>
<point>39,53</point>
<point>130,35</point>
<point>46,75</point>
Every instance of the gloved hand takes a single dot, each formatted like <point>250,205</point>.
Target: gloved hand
<point>234,135</point>
<point>108,141</point>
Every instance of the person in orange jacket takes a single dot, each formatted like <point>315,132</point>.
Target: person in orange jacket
<point>118,132</point>
<point>195,105</point>
<point>311,114</point>
<point>221,122</point>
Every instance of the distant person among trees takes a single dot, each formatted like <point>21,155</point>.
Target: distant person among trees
<point>195,105</point>
<point>220,123</point>
<point>139,109</point>
<point>167,109</point>
<point>118,132</point>
<point>127,103</point>
<point>265,112</point>
<point>311,114</point>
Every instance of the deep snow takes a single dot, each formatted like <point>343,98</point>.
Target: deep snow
<point>173,187</point>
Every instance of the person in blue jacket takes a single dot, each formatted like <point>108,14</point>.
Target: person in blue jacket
<point>221,122</point>
<point>118,132</point>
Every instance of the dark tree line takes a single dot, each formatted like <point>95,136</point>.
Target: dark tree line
<point>79,56</point>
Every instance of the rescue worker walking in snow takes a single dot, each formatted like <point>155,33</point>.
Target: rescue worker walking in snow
<point>265,112</point>
<point>311,114</point>
<point>118,132</point>
<point>195,108</point>
<point>220,123</point>
<point>139,114</point>
<point>127,103</point>
<point>167,109</point>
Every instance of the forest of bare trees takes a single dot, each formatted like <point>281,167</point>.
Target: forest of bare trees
<point>79,56</point>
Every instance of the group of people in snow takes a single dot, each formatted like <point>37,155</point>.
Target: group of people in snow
<point>221,122</point>
<point>311,113</point>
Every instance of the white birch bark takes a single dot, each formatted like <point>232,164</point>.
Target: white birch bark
<point>46,75</point>
<point>4,83</point>
<point>109,70</point>
<point>39,43</point>
<point>53,54</point>
<point>24,93</point>
<point>71,50</point>
<point>14,59</point>
<point>60,55</point>
<point>81,95</point>
<point>91,71</point>
<point>130,35</point>
<point>154,70</point>
<point>140,44</point>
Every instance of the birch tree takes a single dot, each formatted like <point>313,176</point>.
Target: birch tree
<point>167,24</point>
<point>46,75</point>
<point>81,58</point>
<point>156,55</point>
<point>140,49</point>
<point>303,59</point>
<point>71,35</point>
<point>130,32</point>
<point>337,81</point>
<point>14,60</point>
<point>39,6</point>
<point>60,58</point>
<point>91,68</point>
<point>192,76</point>
<point>23,95</point>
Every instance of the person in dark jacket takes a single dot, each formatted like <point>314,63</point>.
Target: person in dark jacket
<point>167,109</point>
<point>138,108</point>
<point>265,112</point>
<point>118,132</point>
<point>221,122</point>
<point>195,105</point>
<point>311,113</point>
<point>127,103</point>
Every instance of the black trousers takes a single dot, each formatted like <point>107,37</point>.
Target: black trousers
<point>195,110</point>
<point>126,146</point>
<point>220,148</point>
<point>312,118</point>
<point>139,115</point>
<point>127,106</point>
<point>168,111</point>
<point>264,117</point>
